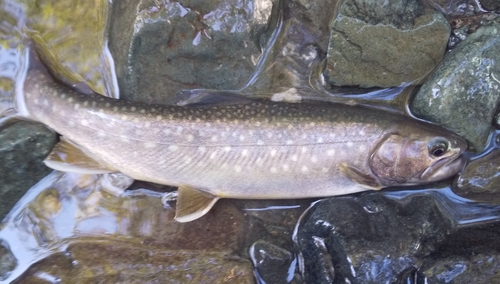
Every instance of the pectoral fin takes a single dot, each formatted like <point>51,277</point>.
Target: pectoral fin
<point>68,157</point>
<point>192,203</point>
<point>365,180</point>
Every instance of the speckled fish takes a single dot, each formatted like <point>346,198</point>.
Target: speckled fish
<point>256,150</point>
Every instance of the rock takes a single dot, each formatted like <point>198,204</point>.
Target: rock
<point>203,44</point>
<point>490,5</point>
<point>374,45</point>
<point>124,262</point>
<point>272,263</point>
<point>377,238</point>
<point>464,91</point>
<point>480,178</point>
<point>23,146</point>
<point>7,261</point>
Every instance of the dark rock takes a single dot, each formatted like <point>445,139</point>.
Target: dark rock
<point>7,261</point>
<point>490,5</point>
<point>374,45</point>
<point>271,262</point>
<point>464,91</point>
<point>23,146</point>
<point>203,44</point>
<point>373,240</point>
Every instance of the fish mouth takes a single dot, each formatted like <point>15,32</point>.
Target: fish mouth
<point>443,169</point>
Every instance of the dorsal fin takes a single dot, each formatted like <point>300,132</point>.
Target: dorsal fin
<point>68,157</point>
<point>192,203</point>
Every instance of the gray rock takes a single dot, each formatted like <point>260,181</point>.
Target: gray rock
<point>23,146</point>
<point>490,5</point>
<point>374,45</point>
<point>185,45</point>
<point>271,262</point>
<point>464,91</point>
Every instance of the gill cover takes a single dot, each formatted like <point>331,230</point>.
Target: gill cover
<point>400,160</point>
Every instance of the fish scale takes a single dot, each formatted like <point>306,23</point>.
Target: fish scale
<point>258,149</point>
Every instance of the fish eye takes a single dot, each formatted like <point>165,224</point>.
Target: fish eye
<point>438,147</point>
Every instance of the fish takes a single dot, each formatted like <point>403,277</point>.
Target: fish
<point>244,149</point>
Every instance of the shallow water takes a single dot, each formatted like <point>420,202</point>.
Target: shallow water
<point>66,209</point>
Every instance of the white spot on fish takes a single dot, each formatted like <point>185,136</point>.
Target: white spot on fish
<point>158,117</point>
<point>269,134</point>
<point>167,131</point>
<point>349,144</point>
<point>124,117</point>
<point>244,152</point>
<point>179,129</point>
<point>77,106</point>
<point>115,108</point>
<point>85,103</point>
<point>212,155</point>
<point>148,124</point>
<point>107,104</point>
<point>362,148</point>
<point>289,142</point>
<point>303,149</point>
<point>242,137</point>
<point>133,108</point>
<point>304,169</point>
<point>273,170</point>
<point>101,134</point>
<point>260,142</point>
<point>125,139</point>
<point>45,102</point>
<point>314,159</point>
<point>286,167</point>
<point>36,101</point>
<point>85,122</point>
<point>150,145</point>
<point>190,137</point>
<point>325,170</point>
<point>202,149</point>
<point>71,123</point>
<point>70,100</point>
<point>330,152</point>
<point>361,133</point>
<point>237,169</point>
<point>273,152</point>
<point>173,148</point>
<point>214,138</point>
<point>320,140</point>
<point>227,148</point>
<point>294,158</point>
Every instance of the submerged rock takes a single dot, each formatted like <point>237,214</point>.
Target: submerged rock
<point>7,261</point>
<point>480,178</point>
<point>382,239</point>
<point>124,262</point>
<point>374,45</point>
<point>463,93</point>
<point>203,44</point>
<point>23,146</point>
<point>273,264</point>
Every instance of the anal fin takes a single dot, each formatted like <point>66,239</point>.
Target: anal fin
<point>192,203</point>
<point>68,157</point>
<point>365,180</point>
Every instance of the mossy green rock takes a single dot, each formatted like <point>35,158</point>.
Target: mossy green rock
<point>464,91</point>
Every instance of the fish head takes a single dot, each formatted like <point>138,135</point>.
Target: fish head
<point>420,156</point>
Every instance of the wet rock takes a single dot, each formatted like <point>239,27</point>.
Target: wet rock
<point>127,262</point>
<point>373,240</point>
<point>464,91</point>
<point>410,238</point>
<point>374,45</point>
<point>480,179</point>
<point>490,5</point>
<point>271,262</point>
<point>203,44</point>
<point>23,146</point>
<point>7,261</point>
